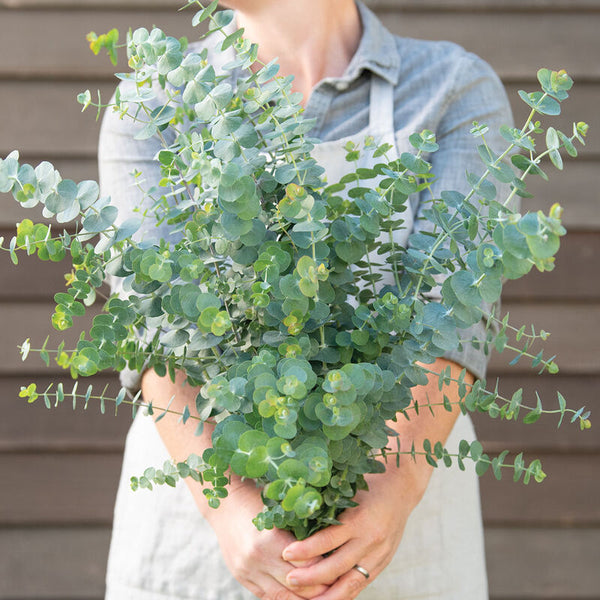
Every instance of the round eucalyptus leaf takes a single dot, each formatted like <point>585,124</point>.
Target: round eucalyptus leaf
<point>97,222</point>
<point>128,228</point>
<point>350,252</point>
<point>463,284</point>
<point>175,338</point>
<point>233,226</point>
<point>308,503</point>
<point>56,203</point>
<point>544,245</point>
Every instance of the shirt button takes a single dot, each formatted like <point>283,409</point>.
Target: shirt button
<point>341,86</point>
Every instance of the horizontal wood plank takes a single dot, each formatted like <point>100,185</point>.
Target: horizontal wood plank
<point>34,279</point>
<point>417,5</point>
<point>31,278</point>
<point>576,189</point>
<point>567,497</point>
<point>571,277</point>
<point>573,329</point>
<point>33,427</point>
<point>543,436</point>
<point>543,564</point>
<point>523,564</point>
<point>80,489</point>
<point>76,488</point>
<point>516,44</point>
<point>53,564</point>
<point>70,56</point>
<point>50,121</point>
<point>20,321</point>
<point>47,121</point>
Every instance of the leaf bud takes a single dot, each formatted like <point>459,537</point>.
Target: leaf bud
<point>329,400</point>
<point>582,128</point>
<point>556,211</point>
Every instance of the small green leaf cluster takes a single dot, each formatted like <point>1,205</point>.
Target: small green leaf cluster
<point>284,297</point>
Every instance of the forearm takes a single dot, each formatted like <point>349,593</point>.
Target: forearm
<point>181,440</point>
<point>411,477</point>
<point>253,557</point>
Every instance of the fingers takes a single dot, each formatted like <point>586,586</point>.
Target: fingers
<point>267,580</point>
<point>347,587</point>
<point>274,591</point>
<point>330,568</point>
<point>279,592</point>
<point>317,544</point>
<point>254,557</point>
<point>311,589</point>
<point>268,569</point>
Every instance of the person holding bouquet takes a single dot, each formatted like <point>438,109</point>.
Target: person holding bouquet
<point>417,532</point>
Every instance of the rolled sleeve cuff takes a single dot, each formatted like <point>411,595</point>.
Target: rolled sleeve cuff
<point>473,359</point>
<point>130,379</point>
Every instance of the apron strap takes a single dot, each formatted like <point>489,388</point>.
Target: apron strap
<point>381,107</point>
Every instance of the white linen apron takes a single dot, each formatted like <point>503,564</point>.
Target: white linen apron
<point>163,549</point>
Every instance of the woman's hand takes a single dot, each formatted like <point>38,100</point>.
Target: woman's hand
<point>371,532</point>
<point>255,557</point>
<point>368,536</point>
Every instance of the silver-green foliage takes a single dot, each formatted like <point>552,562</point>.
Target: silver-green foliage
<point>267,292</point>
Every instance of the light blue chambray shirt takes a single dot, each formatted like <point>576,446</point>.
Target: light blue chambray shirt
<point>437,86</point>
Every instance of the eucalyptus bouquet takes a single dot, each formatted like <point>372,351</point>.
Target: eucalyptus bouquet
<point>285,298</point>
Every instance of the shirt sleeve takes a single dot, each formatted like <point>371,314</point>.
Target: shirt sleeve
<point>120,155</point>
<point>478,95</point>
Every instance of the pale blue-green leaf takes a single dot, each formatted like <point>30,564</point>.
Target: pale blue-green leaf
<point>175,338</point>
<point>463,284</point>
<point>71,213</point>
<point>169,61</point>
<point>67,189</point>
<point>146,132</point>
<point>97,222</point>
<point>284,174</point>
<point>9,167</point>
<point>541,104</point>
<point>203,14</point>
<point>106,242</point>
<point>552,141</point>
<point>221,19</point>
<point>55,203</point>
<point>309,226</point>
<point>543,246</point>
<point>222,95</point>
<point>128,228</point>
<point>225,126</point>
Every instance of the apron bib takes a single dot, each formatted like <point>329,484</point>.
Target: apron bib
<point>332,157</point>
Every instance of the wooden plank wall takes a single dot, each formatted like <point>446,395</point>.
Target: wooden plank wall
<point>58,470</point>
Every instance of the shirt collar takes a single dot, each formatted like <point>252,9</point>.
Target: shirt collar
<point>377,50</point>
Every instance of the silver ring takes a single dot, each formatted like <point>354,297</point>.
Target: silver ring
<point>362,571</point>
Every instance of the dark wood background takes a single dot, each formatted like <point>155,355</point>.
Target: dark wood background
<point>59,469</point>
